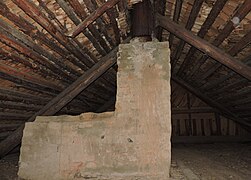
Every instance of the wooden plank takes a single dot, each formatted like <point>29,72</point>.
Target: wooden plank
<point>160,7</point>
<point>240,14</point>
<point>176,16</point>
<point>193,110</point>
<point>107,105</point>
<point>72,45</point>
<point>33,11</point>
<point>205,46</point>
<point>71,13</point>
<point>92,17</point>
<point>101,22</point>
<point>207,127</point>
<point>211,139</point>
<point>215,11</point>
<point>8,127</point>
<point>226,112</point>
<point>246,40</point>
<point>62,99</point>
<point>190,22</point>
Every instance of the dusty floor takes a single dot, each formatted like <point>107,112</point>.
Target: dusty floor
<point>201,161</point>
<point>214,161</point>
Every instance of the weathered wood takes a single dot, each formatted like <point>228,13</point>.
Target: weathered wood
<point>32,11</point>
<point>210,139</point>
<point>18,58</point>
<point>192,110</point>
<point>159,7</point>
<point>235,95</point>
<point>113,14</point>
<point>101,31</point>
<point>107,81</point>
<point>107,105</point>
<point>17,96</point>
<point>92,35</point>
<point>218,81</point>
<point>14,116</point>
<point>92,17</point>
<point>37,84</point>
<point>62,99</point>
<point>205,47</point>
<point>223,110</point>
<point>176,16</point>
<point>8,127</point>
<point>189,24</point>
<point>32,31</point>
<point>242,82</point>
<point>71,45</point>
<point>19,106</point>
<point>246,40</point>
<point>218,6</point>
<point>242,11</point>
<point>21,48</point>
<point>142,19</point>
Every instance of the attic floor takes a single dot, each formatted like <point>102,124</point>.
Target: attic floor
<point>204,161</point>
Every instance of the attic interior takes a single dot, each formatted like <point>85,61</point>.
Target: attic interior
<point>58,57</point>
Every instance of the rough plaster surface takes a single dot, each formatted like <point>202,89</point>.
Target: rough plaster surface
<point>131,143</point>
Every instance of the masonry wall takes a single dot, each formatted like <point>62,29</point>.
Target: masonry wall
<point>131,143</point>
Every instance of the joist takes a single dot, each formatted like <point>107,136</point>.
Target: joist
<point>92,35</point>
<point>160,6</point>
<point>101,31</point>
<point>217,8</point>
<point>71,45</point>
<point>176,16</point>
<point>189,24</point>
<point>240,14</point>
<point>233,51</point>
<point>204,46</point>
<point>224,111</point>
<point>92,17</point>
<point>62,99</point>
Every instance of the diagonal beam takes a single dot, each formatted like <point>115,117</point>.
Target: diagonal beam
<point>225,112</point>
<point>92,17</point>
<point>204,46</point>
<point>62,99</point>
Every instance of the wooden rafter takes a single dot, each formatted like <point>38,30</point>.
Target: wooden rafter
<point>190,22</point>
<point>240,14</point>
<point>92,17</point>
<point>246,40</point>
<point>71,45</point>
<point>204,46</point>
<point>218,6</point>
<point>176,16</point>
<point>226,112</point>
<point>62,99</point>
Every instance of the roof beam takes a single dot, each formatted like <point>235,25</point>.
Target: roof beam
<point>189,25</point>
<point>239,15</point>
<point>204,46</point>
<point>62,99</point>
<point>92,17</point>
<point>246,40</point>
<point>225,112</point>
<point>176,16</point>
<point>217,8</point>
